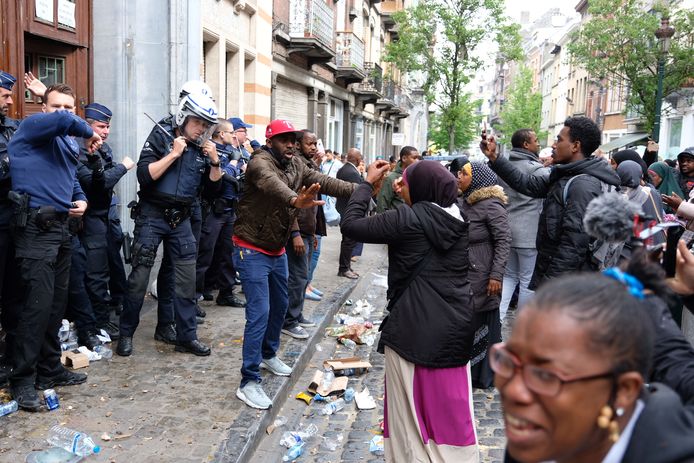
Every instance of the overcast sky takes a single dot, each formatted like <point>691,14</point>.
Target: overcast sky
<point>537,7</point>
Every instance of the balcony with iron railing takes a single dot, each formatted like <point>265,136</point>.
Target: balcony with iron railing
<point>350,57</point>
<point>373,83</point>
<point>387,100</point>
<point>311,30</point>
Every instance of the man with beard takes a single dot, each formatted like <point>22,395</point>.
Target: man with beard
<point>277,185</point>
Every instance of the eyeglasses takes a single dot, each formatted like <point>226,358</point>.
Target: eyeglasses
<point>538,380</point>
<point>241,130</point>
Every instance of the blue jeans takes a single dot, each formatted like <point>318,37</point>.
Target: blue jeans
<point>297,281</point>
<point>264,282</point>
<point>314,259</point>
<point>519,271</point>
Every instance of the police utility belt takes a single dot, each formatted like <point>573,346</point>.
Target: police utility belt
<point>222,205</point>
<point>172,215</point>
<point>44,216</point>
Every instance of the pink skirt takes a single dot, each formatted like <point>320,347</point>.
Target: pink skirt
<point>429,414</point>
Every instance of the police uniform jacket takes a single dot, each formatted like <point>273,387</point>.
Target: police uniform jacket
<point>98,175</point>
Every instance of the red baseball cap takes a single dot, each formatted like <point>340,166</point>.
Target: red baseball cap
<point>279,126</point>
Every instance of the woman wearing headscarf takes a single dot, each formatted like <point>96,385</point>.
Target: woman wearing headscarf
<point>427,335</point>
<point>665,180</point>
<point>484,206</point>
<point>630,176</point>
<point>630,155</point>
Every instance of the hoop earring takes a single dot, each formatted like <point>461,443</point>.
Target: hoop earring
<point>605,421</point>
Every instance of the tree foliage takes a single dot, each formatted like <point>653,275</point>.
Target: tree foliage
<point>523,108</point>
<point>618,44</point>
<point>465,120</point>
<point>438,40</point>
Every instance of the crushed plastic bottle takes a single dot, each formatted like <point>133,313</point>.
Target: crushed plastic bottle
<point>73,441</point>
<point>329,444</point>
<point>103,351</point>
<point>68,345</point>
<point>349,395</point>
<point>308,432</point>
<point>328,378</point>
<point>333,407</point>
<point>9,407</point>
<point>376,445</point>
<point>294,452</point>
<point>348,343</point>
<point>279,421</point>
<point>290,439</point>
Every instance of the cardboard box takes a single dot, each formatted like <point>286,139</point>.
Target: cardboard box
<point>74,359</point>
<point>338,385</point>
<point>340,366</point>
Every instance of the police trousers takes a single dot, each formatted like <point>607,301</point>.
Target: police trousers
<point>215,243</point>
<point>180,248</point>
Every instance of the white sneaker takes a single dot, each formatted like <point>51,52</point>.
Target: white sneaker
<point>276,366</point>
<point>254,396</point>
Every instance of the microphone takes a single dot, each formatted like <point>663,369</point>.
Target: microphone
<point>610,218</point>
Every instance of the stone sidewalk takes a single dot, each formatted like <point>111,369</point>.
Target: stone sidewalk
<point>162,406</point>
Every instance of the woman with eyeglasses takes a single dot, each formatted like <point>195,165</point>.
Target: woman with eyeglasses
<point>572,378</point>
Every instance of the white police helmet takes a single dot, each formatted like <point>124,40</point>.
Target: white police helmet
<point>195,86</point>
<point>196,105</point>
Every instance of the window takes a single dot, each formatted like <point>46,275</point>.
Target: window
<point>335,121</point>
<point>674,137</point>
<point>51,70</point>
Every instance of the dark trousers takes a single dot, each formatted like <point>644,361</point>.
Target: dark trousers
<point>96,279</point>
<point>215,239</point>
<point>297,282</point>
<point>10,288</point>
<point>166,279</point>
<point>117,282</point>
<point>180,249</point>
<point>43,257</point>
<point>347,245</point>
<point>79,307</point>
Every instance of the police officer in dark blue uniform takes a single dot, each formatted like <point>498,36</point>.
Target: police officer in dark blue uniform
<point>98,175</point>
<point>218,227</point>
<point>117,282</point>
<point>174,161</point>
<point>9,295</point>
<point>43,163</point>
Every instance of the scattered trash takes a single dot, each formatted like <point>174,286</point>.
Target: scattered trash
<point>9,407</point>
<point>343,319</point>
<point>294,452</point>
<point>376,445</point>
<point>349,395</point>
<point>74,359</point>
<point>68,345</point>
<point>103,336</point>
<point>51,399</point>
<point>279,422</point>
<point>348,343</point>
<point>349,302</point>
<point>360,333</point>
<point>348,366</point>
<point>105,437</point>
<point>363,308</point>
<point>331,444</point>
<point>337,386</point>
<point>64,331</point>
<point>379,280</point>
<point>91,355</point>
<point>52,455</point>
<point>305,397</point>
<point>72,441</point>
<point>292,438</point>
<point>333,407</point>
<point>318,348</point>
<point>328,378</point>
<point>364,400</point>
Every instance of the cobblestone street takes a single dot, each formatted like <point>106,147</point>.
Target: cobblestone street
<point>161,406</point>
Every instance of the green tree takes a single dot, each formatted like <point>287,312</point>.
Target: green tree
<point>618,44</point>
<point>464,120</point>
<point>438,41</point>
<point>523,108</point>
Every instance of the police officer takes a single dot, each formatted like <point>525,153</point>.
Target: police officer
<point>174,161</point>
<point>165,282</point>
<point>218,227</point>
<point>43,164</point>
<point>8,273</point>
<point>117,281</point>
<point>240,144</point>
<point>98,175</point>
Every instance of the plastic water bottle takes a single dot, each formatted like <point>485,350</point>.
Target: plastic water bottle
<point>68,345</point>
<point>294,452</point>
<point>9,407</point>
<point>290,439</point>
<point>348,343</point>
<point>309,431</point>
<point>73,441</point>
<point>328,378</point>
<point>104,351</point>
<point>64,331</point>
<point>333,407</point>
<point>349,394</point>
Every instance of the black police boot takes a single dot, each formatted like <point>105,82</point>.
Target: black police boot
<point>125,346</point>
<point>89,340</point>
<point>166,333</point>
<point>26,397</point>
<point>66,378</point>
<point>111,329</point>
<point>199,312</point>
<point>207,296</point>
<point>230,300</point>
<point>193,347</point>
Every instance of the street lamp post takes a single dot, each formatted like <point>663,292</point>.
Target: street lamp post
<point>664,33</point>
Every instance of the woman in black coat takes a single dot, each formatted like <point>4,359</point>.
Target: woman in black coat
<point>427,335</point>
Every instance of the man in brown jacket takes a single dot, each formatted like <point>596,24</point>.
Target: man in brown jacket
<point>277,185</point>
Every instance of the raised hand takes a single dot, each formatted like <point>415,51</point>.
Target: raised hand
<point>307,197</point>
